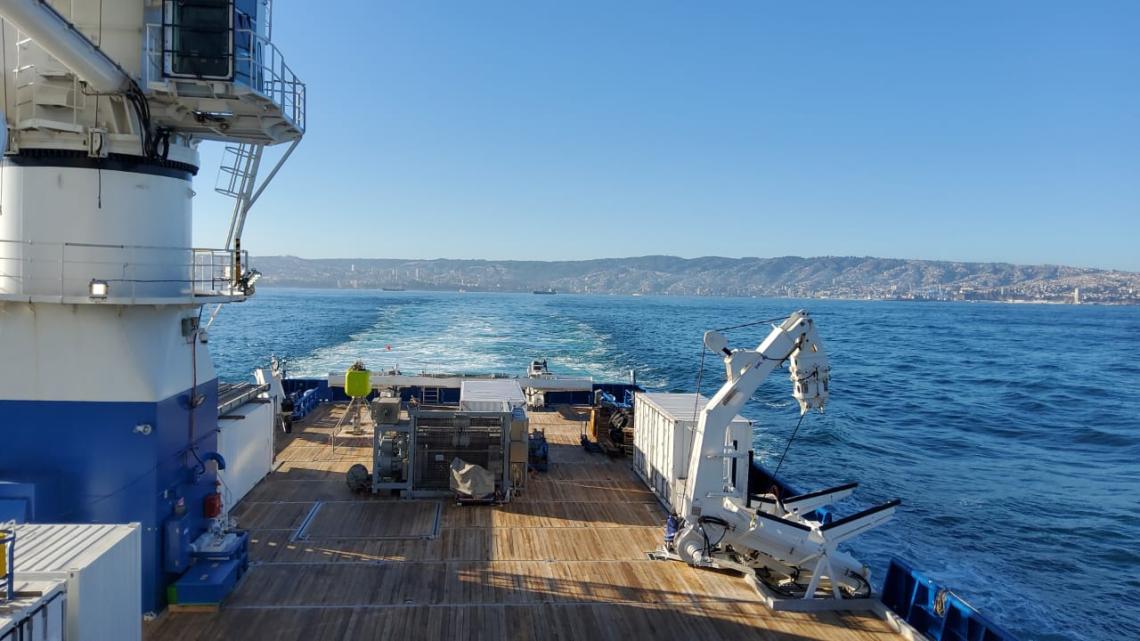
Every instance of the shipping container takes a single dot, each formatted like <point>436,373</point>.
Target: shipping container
<point>35,614</point>
<point>245,441</point>
<point>663,427</point>
<point>489,395</point>
<point>102,566</point>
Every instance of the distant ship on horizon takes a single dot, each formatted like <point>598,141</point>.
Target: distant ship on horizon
<point>548,291</point>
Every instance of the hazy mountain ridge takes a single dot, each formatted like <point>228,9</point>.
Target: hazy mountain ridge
<point>825,276</point>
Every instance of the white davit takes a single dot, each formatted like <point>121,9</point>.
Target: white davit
<point>782,540</point>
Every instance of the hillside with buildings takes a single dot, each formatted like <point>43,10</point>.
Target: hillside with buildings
<point>818,277</point>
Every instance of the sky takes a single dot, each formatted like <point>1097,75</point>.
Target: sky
<point>969,130</point>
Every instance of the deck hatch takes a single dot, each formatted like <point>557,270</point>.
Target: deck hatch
<point>372,520</point>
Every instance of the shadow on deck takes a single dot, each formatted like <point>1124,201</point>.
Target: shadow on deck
<point>565,560</point>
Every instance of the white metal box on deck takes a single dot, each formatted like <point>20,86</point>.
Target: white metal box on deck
<point>489,395</point>
<point>102,566</point>
<point>245,441</point>
<point>663,427</point>
<point>37,614</point>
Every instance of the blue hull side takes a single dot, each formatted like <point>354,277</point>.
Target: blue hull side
<point>90,465</point>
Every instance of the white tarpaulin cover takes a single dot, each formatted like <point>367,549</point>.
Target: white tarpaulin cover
<point>471,480</point>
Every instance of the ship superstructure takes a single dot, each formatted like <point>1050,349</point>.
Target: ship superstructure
<point>108,397</point>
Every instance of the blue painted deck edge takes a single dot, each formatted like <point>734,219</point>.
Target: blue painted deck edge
<point>913,596</point>
<point>294,387</point>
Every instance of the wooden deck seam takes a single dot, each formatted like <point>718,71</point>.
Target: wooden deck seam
<point>695,601</point>
<point>592,526</point>
<point>566,560</point>
<point>378,562</point>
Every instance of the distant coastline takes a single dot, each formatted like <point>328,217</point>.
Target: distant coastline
<point>636,295</point>
<point>828,277</point>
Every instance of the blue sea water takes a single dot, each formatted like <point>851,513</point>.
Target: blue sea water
<point>1011,432</point>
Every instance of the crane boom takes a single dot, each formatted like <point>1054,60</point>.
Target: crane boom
<point>40,22</point>
<point>795,339</point>
<point>777,539</point>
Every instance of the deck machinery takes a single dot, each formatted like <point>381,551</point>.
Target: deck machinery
<point>414,452</point>
<point>610,424</point>
<point>107,393</point>
<point>781,540</point>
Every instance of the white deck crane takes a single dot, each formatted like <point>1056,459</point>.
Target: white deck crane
<point>779,538</point>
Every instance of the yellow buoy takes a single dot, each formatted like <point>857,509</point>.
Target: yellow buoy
<point>357,383</point>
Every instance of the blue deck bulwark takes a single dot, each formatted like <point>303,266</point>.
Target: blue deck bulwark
<point>935,611</point>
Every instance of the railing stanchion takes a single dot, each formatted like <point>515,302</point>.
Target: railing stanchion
<point>62,267</point>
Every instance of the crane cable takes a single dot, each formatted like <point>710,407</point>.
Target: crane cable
<point>700,376</point>
<point>750,324</point>
<point>697,402</point>
<point>789,444</point>
<point>701,371</point>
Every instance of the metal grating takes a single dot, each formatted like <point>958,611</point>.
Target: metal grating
<point>437,446</point>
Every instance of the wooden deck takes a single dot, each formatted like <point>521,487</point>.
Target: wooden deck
<point>566,560</point>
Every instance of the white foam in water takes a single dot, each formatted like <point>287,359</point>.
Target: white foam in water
<point>468,335</point>
<point>1050,460</point>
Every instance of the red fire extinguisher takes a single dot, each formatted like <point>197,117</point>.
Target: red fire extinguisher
<point>212,504</point>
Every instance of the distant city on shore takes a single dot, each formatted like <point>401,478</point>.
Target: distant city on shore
<point>819,277</point>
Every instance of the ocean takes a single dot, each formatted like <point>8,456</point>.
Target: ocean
<point>1010,432</point>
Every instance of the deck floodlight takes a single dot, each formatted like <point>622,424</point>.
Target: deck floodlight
<point>98,289</point>
<point>248,280</point>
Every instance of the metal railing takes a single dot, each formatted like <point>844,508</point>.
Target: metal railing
<point>152,55</point>
<point>99,273</point>
<point>31,86</point>
<point>263,64</point>
<point>257,64</point>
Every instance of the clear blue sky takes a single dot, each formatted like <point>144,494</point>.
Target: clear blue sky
<point>966,130</point>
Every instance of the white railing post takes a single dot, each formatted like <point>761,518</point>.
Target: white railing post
<point>62,268</point>
<point>132,260</point>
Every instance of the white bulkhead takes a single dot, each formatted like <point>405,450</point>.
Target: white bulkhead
<point>98,353</point>
<point>63,227</point>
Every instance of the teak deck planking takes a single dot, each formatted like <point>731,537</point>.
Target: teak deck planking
<point>564,560</point>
